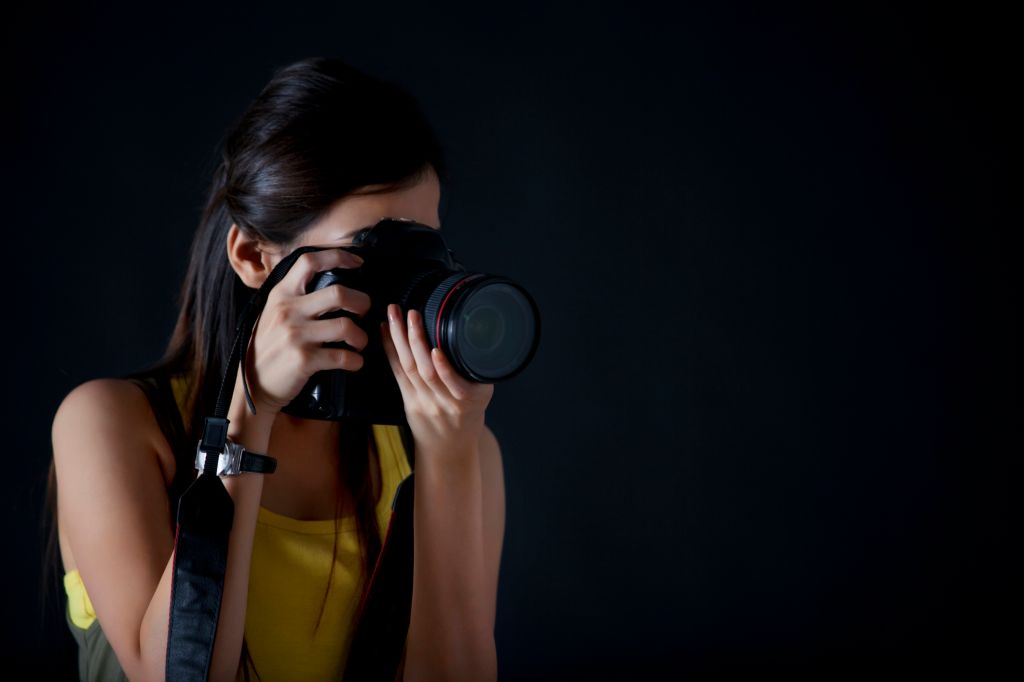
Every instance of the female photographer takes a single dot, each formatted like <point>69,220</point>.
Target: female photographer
<point>323,152</point>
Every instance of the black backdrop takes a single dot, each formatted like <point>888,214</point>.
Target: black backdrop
<point>770,421</point>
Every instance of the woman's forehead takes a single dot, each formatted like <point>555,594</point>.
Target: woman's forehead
<point>354,212</point>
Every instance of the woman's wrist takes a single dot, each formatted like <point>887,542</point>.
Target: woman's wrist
<point>251,430</point>
<point>253,433</point>
<point>245,486</point>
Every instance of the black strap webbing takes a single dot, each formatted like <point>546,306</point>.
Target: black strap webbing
<point>205,514</point>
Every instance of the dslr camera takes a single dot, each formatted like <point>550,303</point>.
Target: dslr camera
<point>488,326</point>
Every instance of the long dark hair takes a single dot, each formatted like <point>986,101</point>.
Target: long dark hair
<point>318,131</point>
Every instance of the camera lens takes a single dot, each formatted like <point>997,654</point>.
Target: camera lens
<point>484,328</point>
<point>487,325</point>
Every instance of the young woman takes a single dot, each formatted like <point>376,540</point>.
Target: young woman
<point>323,152</point>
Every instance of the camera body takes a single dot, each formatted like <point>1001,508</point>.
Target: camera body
<point>488,326</point>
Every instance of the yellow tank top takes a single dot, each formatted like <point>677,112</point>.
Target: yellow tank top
<point>291,562</point>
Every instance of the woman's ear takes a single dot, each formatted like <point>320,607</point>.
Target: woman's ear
<point>250,258</point>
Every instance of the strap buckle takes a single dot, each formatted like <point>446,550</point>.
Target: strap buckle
<point>229,463</point>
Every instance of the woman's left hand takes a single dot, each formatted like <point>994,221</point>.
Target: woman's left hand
<point>445,411</point>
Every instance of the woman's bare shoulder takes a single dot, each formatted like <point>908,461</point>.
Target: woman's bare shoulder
<point>110,407</point>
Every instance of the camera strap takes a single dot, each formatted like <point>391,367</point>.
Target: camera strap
<point>205,515</point>
<point>204,519</point>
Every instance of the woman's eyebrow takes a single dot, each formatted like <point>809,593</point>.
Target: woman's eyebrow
<point>353,232</point>
<point>366,227</point>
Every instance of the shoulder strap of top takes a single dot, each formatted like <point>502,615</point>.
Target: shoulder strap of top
<point>156,384</point>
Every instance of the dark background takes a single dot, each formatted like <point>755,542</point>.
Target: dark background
<point>770,421</point>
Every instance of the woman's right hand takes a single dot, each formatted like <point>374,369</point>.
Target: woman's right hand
<point>286,341</point>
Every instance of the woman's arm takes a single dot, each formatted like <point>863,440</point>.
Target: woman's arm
<point>459,522</point>
<point>115,514</point>
<point>458,515</point>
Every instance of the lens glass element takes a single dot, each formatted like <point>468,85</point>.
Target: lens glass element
<point>495,329</point>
